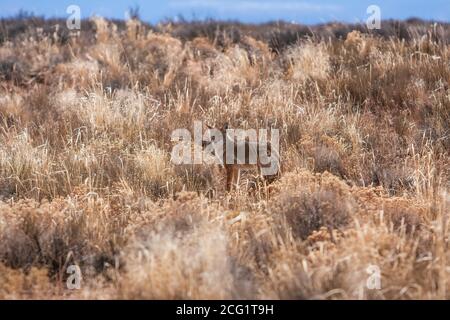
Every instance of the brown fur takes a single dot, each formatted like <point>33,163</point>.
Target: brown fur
<point>233,171</point>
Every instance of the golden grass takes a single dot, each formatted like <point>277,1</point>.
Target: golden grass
<point>86,177</point>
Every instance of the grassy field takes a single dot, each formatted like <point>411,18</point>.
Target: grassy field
<point>86,177</point>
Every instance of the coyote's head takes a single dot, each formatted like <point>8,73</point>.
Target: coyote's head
<point>213,138</point>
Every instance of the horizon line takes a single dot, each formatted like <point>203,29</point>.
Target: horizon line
<point>180,18</point>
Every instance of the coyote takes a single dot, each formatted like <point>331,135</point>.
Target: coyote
<point>236,154</point>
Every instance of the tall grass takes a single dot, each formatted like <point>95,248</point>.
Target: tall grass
<point>86,177</point>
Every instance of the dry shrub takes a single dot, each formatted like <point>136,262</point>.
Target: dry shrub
<point>327,155</point>
<point>258,51</point>
<point>134,29</point>
<point>62,232</point>
<point>340,272</point>
<point>308,61</point>
<point>13,70</point>
<point>103,29</point>
<point>339,266</point>
<point>86,177</point>
<point>154,171</point>
<point>222,73</point>
<point>127,113</point>
<point>404,215</point>
<point>181,255</point>
<point>23,165</point>
<point>165,57</point>
<point>15,284</point>
<point>309,202</point>
<point>108,55</point>
<point>78,73</point>
<point>202,48</point>
<point>361,43</point>
<point>11,106</point>
<point>226,70</point>
<point>168,266</point>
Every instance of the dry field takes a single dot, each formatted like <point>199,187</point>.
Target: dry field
<point>86,177</point>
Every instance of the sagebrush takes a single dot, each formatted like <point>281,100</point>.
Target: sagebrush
<point>86,176</point>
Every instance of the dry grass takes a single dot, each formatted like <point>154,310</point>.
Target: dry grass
<point>86,177</point>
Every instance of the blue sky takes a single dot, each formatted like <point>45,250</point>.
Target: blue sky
<point>300,11</point>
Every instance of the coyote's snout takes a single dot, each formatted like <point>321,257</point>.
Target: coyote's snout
<point>240,150</point>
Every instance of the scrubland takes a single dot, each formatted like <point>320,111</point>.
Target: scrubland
<point>86,176</point>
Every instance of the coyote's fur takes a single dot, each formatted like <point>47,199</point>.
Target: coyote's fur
<point>233,169</point>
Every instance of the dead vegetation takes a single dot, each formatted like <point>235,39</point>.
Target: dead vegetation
<point>86,177</point>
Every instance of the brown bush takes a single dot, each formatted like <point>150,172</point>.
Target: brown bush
<point>86,176</point>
